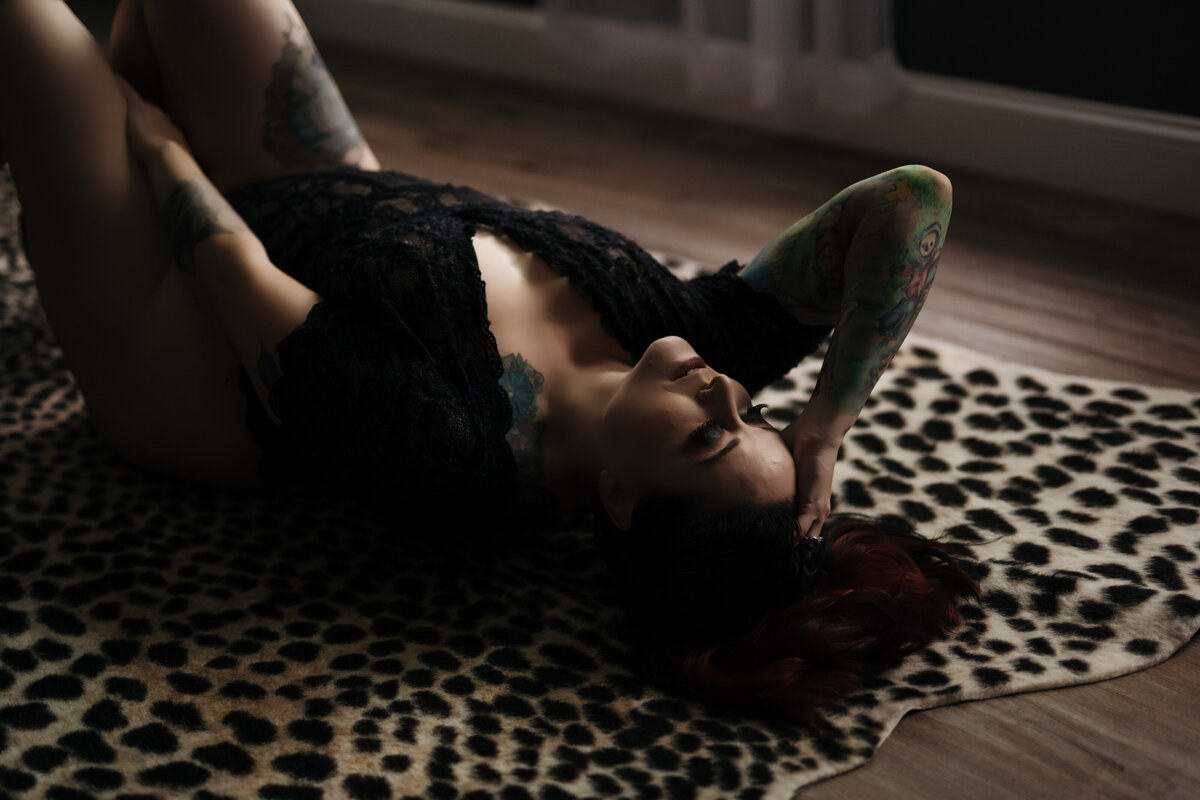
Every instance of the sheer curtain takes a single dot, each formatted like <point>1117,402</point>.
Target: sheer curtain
<point>834,54</point>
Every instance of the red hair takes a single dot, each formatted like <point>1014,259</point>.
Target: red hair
<point>885,596</point>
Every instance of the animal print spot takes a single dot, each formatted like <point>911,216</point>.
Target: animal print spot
<point>1071,538</point>
<point>1168,450</point>
<point>855,494</point>
<point>929,677</point>
<point>300,652</point>
<point>27,716</point>
<point>1147,524</point>
<point>54,687</point>
<point>129,689</point>
<point>989,520</point>
<point>946,495</point>
<point>1033,515</point>
<point>185,716</point>
<point>1046,604</point>
<point>982,377</point>
<point>13,622</point>
<point>1171,412</point>
<point>1184,606</point>
<point>225,757</point>
<point>1164,572</point>
<point>938,430</point>
<point>305,766</point>
<point>168,654</point>
<point>932,464</point>
<point>1094,497</point>
<point>366,787</point>
<point>243,689</point>
<point>99,779</point>
<point>891,485</point>
<point>175,775</point>
<point>61,621</point>
<point>1128,596</point>
<point>946,406</point>
<point>1002,602</point>
<point>1075,665</point>
<point>1093,611</point>
<point>963,533</point>
<point>914,443</point>
<point>990,677</point>
<point>88,746</point>
<point>185,683</point>
<point>1142,647</point>
<point>43,758</point>
<point>978,487</point>
<point>152,738</point>
<point>310,731</point>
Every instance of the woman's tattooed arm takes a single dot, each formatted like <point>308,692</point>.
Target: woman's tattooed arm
<point>863,261</point>
<point>194,211</point>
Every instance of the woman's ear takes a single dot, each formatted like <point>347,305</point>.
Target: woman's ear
<point>618,501</point>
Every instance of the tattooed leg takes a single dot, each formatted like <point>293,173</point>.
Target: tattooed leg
<point>307,122</point>
<point>245,83</point>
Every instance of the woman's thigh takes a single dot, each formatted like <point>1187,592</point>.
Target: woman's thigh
<point>100,259</point>
<point>244,81</point>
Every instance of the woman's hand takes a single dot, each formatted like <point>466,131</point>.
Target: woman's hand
<point>814,450</point>
<point>148,127</point>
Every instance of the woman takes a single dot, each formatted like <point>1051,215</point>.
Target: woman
<point>244,297</point>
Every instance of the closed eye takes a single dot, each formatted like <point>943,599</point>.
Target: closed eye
<point>708,434</point>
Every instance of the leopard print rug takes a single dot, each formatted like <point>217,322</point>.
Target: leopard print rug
<point>159,639</point>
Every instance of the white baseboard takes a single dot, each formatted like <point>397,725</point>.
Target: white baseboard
<point>1111,152</point>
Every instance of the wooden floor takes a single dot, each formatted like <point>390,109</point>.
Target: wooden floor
<point>1030,275</point>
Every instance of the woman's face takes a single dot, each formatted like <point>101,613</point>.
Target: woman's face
<point>676,425</point>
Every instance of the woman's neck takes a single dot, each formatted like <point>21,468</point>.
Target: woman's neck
<point>574,428</point>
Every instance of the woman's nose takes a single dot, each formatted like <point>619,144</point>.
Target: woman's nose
<point>717,396</point>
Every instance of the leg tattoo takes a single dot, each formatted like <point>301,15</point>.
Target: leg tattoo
<point>308,124</point>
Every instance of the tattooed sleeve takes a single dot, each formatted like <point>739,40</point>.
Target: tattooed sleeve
<point>864,260</point>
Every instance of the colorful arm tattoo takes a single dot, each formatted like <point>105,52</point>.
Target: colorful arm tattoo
<point>524,384</point>
<point>866,259</point>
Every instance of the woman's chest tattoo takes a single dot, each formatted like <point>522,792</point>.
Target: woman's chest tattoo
<point>523,384</point>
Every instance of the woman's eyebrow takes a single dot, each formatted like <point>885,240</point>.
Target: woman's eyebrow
<point>710,459</point>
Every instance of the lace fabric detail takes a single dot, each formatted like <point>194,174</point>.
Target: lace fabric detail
<point>390,388</point>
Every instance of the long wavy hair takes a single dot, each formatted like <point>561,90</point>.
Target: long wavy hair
<point>732,606</point>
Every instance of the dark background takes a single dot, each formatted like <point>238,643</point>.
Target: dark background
<point>1134,54</point>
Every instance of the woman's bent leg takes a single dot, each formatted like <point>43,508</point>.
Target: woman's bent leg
<point>157,374</point>
<point>245,83</point>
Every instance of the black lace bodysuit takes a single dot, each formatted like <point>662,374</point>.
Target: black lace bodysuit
<point>389,389</point>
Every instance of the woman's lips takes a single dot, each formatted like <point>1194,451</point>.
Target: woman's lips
<point>693,363</point>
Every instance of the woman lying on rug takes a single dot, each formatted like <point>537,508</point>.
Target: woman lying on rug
<point>247,299</point>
